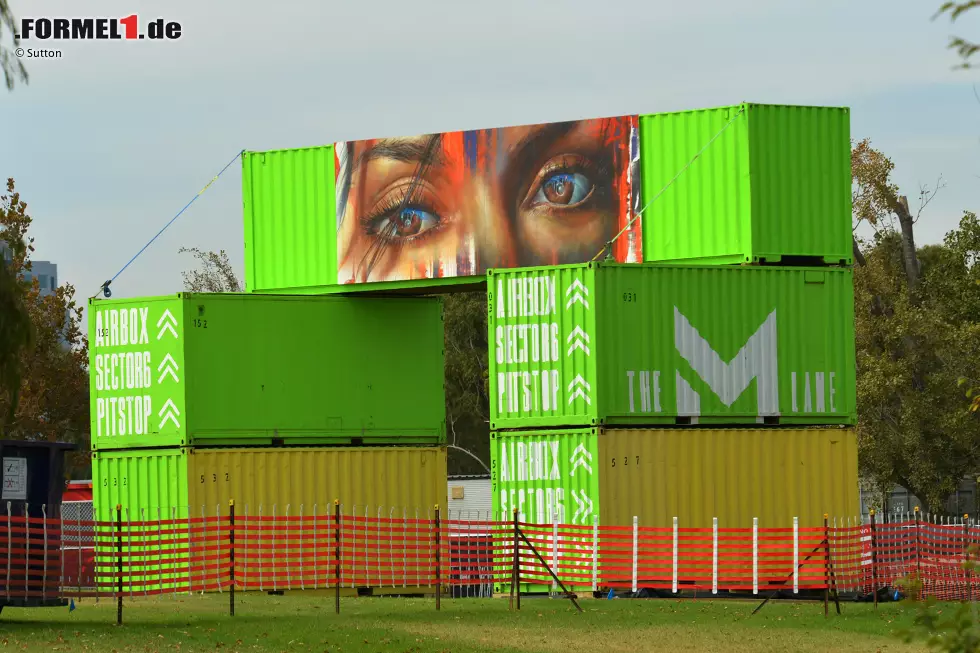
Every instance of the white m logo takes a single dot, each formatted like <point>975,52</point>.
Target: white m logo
<point>757,359</point>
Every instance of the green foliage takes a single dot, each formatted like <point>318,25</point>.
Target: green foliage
<point>914,345</point>
<point>16,330</point>
<point>9,62</point>
<point>214,273</point>
<point>467,381</point>
<point>965,48</point>
<point>950,627</point>
<point>50,401</point>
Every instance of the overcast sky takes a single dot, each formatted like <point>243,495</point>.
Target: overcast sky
<point>108,142</point>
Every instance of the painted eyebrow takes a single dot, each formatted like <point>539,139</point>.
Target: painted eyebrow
<point>537,137</point>
<point>399,149</point>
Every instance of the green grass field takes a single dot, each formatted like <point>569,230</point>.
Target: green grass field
<point>306,622</point>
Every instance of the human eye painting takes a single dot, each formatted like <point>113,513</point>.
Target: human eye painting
<point>457,203</point>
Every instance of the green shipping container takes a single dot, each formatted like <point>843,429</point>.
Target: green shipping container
<point>774,184</point>
<point>290,218</point>
<point>586,345</point>
<point>237,369</point>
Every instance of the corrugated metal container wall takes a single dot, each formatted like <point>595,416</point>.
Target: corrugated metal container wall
<point>196,480</point>
<point>774,474</point>
<point>143,482</point>
<point>399,478</point>
<point>290,218</point>
<point>243,369</point>
<point>539,323</point>
<point>776,182</point>
<point>549,476</point>
<point>656,344</point>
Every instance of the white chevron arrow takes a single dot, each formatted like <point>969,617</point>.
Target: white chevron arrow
<point>575,388</point>
<point>581,458</point>
<point>584,506</point>
<point>580,294</point>
<point>168,322</point>
<point>168,366</point>
<point>581,338</point>
<point>169,412</point>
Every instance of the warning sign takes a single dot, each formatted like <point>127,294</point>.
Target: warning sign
<point>14,479</point>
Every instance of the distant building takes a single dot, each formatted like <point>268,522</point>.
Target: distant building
<point>45,272</point>
<point>470,498</point>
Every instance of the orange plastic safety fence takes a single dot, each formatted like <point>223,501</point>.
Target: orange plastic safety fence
<point>388,552</point>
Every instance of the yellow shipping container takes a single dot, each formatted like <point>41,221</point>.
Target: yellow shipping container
<point>774,474</point>
<point>695,474</point>
<point>186,482</point>
<point>375,477</point>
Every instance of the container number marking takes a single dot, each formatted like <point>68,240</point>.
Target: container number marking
<point>629,297</point>
<point>626,461</point>
<point>200,324</point>
<point>214,477</point>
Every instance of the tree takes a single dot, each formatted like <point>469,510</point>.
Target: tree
<point>917,334</point>
<point>9,61</point>
<point>215,273</point>
<point>966,49</point>
<point>54,396</point>
<point>16,329</point>
<point>467,391</point>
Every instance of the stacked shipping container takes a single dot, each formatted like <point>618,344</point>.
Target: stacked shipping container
<point>692,388</point>
<point>689,386</point>
<point>278,403</point>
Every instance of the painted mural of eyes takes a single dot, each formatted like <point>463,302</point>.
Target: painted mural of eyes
<point>564,189</point>
<point>565,182</point>
<point>410,222</point>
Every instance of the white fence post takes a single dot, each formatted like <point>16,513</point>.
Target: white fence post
<point>595,553</point>
<point>796,555</point>
<point>714,556</point>
<point>636,531</point>
<point>755,555</point>
<point>173,528</point>
<point>674,583</point>
<point>554,549</point>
